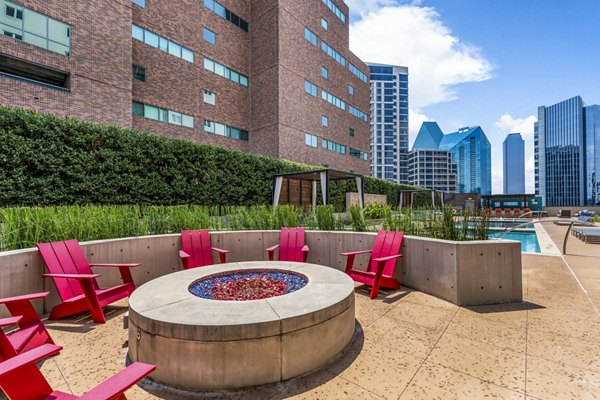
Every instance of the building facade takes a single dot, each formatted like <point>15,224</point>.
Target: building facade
<point>513,152</point>
<point>471,151</point>
<point>428,166</point>
<point>592,140</point>
<point>389,122</point>
<point>567,153</point>
<point>273,77</point>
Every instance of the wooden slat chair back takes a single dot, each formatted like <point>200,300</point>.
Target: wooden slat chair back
<point>66,258</point>
<point>21,379</point>
<point>196,250</point>
<point>291,246</point>
<point>31,333</point>
<point>381,266</point>
<point>76,283</point>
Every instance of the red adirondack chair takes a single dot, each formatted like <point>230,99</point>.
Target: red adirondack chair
<point>196,249</point>
<point>76,284</point>
<point>291,246</point>
<point>21,379</point>
<point>380,271</point>
<point>31,332</point>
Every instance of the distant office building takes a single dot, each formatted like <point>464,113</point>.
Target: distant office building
<point>591,116</point>
<point>471,151</point>
<point>429,167</point>
<point>389,122</point>
<point>514,164</point>
<point>275,78</point>
<point>567,152</point>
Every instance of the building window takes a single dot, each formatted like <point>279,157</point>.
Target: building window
<point>224,130</point>
<point>358,114</point>
<point>162,114</point>
<point>324,23</point>
<point>311,37</point>
<point>210,98</point>
<point>324,73</point>
<point>226,14</point>
<point>351,90</point>
<point>328,97</point>
<point>310,140</point>
<point>34,28</point>
<point>324,121</point>
<point>209,36</point>
<point>225,72</point>
<point>141,3</point>
<point>333,146</point>
<point>33,73</point>
<point>351,132</point>
<point>357,72</point>
<point>161,43</point>
<point>310,88</point>
<point>335,9</point>
<point>332,53</point>
<point>139,73</point>
<point>359,154</point>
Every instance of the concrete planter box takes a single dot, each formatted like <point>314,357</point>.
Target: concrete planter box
<point>464,273</point>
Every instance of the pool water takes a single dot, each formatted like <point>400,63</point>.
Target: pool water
<point>529,242</point>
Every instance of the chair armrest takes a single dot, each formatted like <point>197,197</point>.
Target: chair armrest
<point>32,296</point>
<point>384,259</point>
<point>28,358</point>
<point>130,265</point>
<point>219,250</point>
<point>349,253</point>
<point>79,277</point>
<point>120,382</point>
<point>10,321</point>
<point>305,248</point>
<point>183,254</point>
<point>272,248</point>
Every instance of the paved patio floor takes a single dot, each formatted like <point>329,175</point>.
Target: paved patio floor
<point>410,345</point>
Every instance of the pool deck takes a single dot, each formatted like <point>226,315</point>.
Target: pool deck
<point>410,345</point>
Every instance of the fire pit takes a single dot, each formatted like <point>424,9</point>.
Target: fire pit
<point>236,325</point>
<point>248,285</point>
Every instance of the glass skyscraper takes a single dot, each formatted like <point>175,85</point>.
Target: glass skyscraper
<point>514,164</point>
<point>471,151</point>
<point>591,116</point>
<point>567,153</point>
<point>389,122</point>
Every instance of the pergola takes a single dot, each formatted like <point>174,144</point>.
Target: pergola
<point>297,186</point>
<point>406,198</point>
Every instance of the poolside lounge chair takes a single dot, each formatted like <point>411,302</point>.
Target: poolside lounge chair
<point>380,270</point>
<point>291,246</point>
<point>507,212</point>
<point>21,379</point>
<point>76,284</point>
<point>498,212</point>
<point>31,333</point>
<point>564,214</point>
<point>196,249</point>
<point>517,212</point>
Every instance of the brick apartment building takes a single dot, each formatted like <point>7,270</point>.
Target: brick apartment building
<point>273,77</point>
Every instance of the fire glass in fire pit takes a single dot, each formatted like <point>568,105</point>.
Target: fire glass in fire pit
<point>248,284</point>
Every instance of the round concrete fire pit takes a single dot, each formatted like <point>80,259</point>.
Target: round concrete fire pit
<point>199,343</point>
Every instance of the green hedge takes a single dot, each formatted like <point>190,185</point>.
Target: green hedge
<point>48,160</point>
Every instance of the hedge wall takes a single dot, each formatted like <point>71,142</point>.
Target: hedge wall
<point>48,160</point>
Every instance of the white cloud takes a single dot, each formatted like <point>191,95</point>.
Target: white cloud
<point>416,37</point>
<point>503,126</point>
<point>415,119</point>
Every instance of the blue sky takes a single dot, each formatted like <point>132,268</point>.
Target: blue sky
<point>484,62</point>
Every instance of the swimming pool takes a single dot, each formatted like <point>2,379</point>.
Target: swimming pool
<point>529,242</point>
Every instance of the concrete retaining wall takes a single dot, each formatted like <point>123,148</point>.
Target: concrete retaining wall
<point>464,273</point>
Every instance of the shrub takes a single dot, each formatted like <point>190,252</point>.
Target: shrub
<point>47,161</point>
